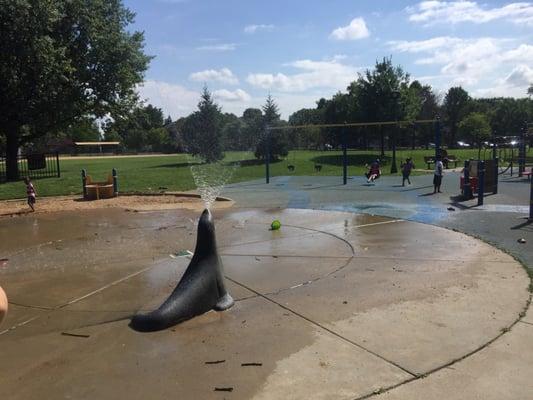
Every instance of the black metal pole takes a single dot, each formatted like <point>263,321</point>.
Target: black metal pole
<point>496,168</point>
<point>480,182</point>
<point>382,141</point>
<point>57,163</point>
<point>115,182</point>
<point>83,182</point>
<point>522,151</point>
<point>394,167</point>
<point>467,189</point>
<point>267,156</point>
<point>344,158</point>
<point>437,137</point>
<point>531,199</point>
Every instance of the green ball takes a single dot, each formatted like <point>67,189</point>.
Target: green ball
<point>275,225</point>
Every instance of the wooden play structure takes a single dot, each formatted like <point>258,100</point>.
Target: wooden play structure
<point>99,190</point>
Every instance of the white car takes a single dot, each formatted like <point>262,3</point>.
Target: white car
<point>462,144</point>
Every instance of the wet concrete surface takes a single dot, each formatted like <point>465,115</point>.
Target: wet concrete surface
<point>333,305</point>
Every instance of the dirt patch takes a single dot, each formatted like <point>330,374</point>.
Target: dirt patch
<point>129,202</point>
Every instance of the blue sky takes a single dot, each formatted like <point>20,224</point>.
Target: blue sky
<point>300,50</point>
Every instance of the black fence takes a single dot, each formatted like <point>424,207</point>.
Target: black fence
<point>34,166</point>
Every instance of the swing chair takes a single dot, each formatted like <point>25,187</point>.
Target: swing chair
<point>290,161</point>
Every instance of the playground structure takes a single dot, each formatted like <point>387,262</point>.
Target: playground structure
<point>99,190</point>
<point>345,140</point>
<point>505,151</point>
<point>480,177</point>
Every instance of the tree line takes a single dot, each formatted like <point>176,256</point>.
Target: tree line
<point>384,93</point>
<point>79,64</point>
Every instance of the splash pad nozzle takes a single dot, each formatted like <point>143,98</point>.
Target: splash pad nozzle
<point>200,289</point>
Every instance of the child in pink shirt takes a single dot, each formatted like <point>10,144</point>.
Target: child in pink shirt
<point>30,192</point>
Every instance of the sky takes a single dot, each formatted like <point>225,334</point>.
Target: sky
<point>301,50</point>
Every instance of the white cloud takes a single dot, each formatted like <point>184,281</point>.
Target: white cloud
<point>175,100</point>
<point>432,12</point>
<point>497,65</point>
<point>315,74</point>
<point>515,84</point>
<point>356,30</point>
<point>178,101</point>
<point>232,96</point>
<point>251,29</point>
<point>223,75</point>
<point>523,53</point>
<point>419,46</point>
<point>520,76</point>
<point>218,47</point>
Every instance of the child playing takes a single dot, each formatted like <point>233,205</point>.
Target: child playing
<point>407,167</point>
<point>30,192</point>
<point>373,172</point>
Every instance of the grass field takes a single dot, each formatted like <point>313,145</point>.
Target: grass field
<point>172,172</point>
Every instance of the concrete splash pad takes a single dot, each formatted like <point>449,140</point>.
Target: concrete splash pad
<point>334,305</point>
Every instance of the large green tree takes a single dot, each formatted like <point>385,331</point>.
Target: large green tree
<point>455,107</point>
<point>475,128</point>
<point>308,137</point>
<point>62,60</point>
<point>383,92</point>
<point>141,129</point>
<point>253,128</point>
<point>273,142</point>
<point>202,131</point>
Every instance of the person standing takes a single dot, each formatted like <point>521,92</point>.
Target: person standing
<point>3,305</point>
<point>407,167</point>
<point>30,192</point>
<point>437,177</point>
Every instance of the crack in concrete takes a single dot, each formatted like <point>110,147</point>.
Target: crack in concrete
<point>455,361</point>
<point>414,375</point>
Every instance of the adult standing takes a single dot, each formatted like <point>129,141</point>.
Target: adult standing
<point>437,177</point>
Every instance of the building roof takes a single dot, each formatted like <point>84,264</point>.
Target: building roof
<point>96,143</point>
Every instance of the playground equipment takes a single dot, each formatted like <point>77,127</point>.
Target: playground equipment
<point>531,199</point>
<point>99,190</point>
<point>479,177</point>
<point>200,289</point>
<point>342,140</point>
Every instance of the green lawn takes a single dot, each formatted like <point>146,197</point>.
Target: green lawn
<point>153,174</point>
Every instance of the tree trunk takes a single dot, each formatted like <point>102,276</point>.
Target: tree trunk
<point>12,149</point>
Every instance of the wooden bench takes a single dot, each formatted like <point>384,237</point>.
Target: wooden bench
<point>429,160</point>
<point>446,161</point>
<point>450,159</point>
